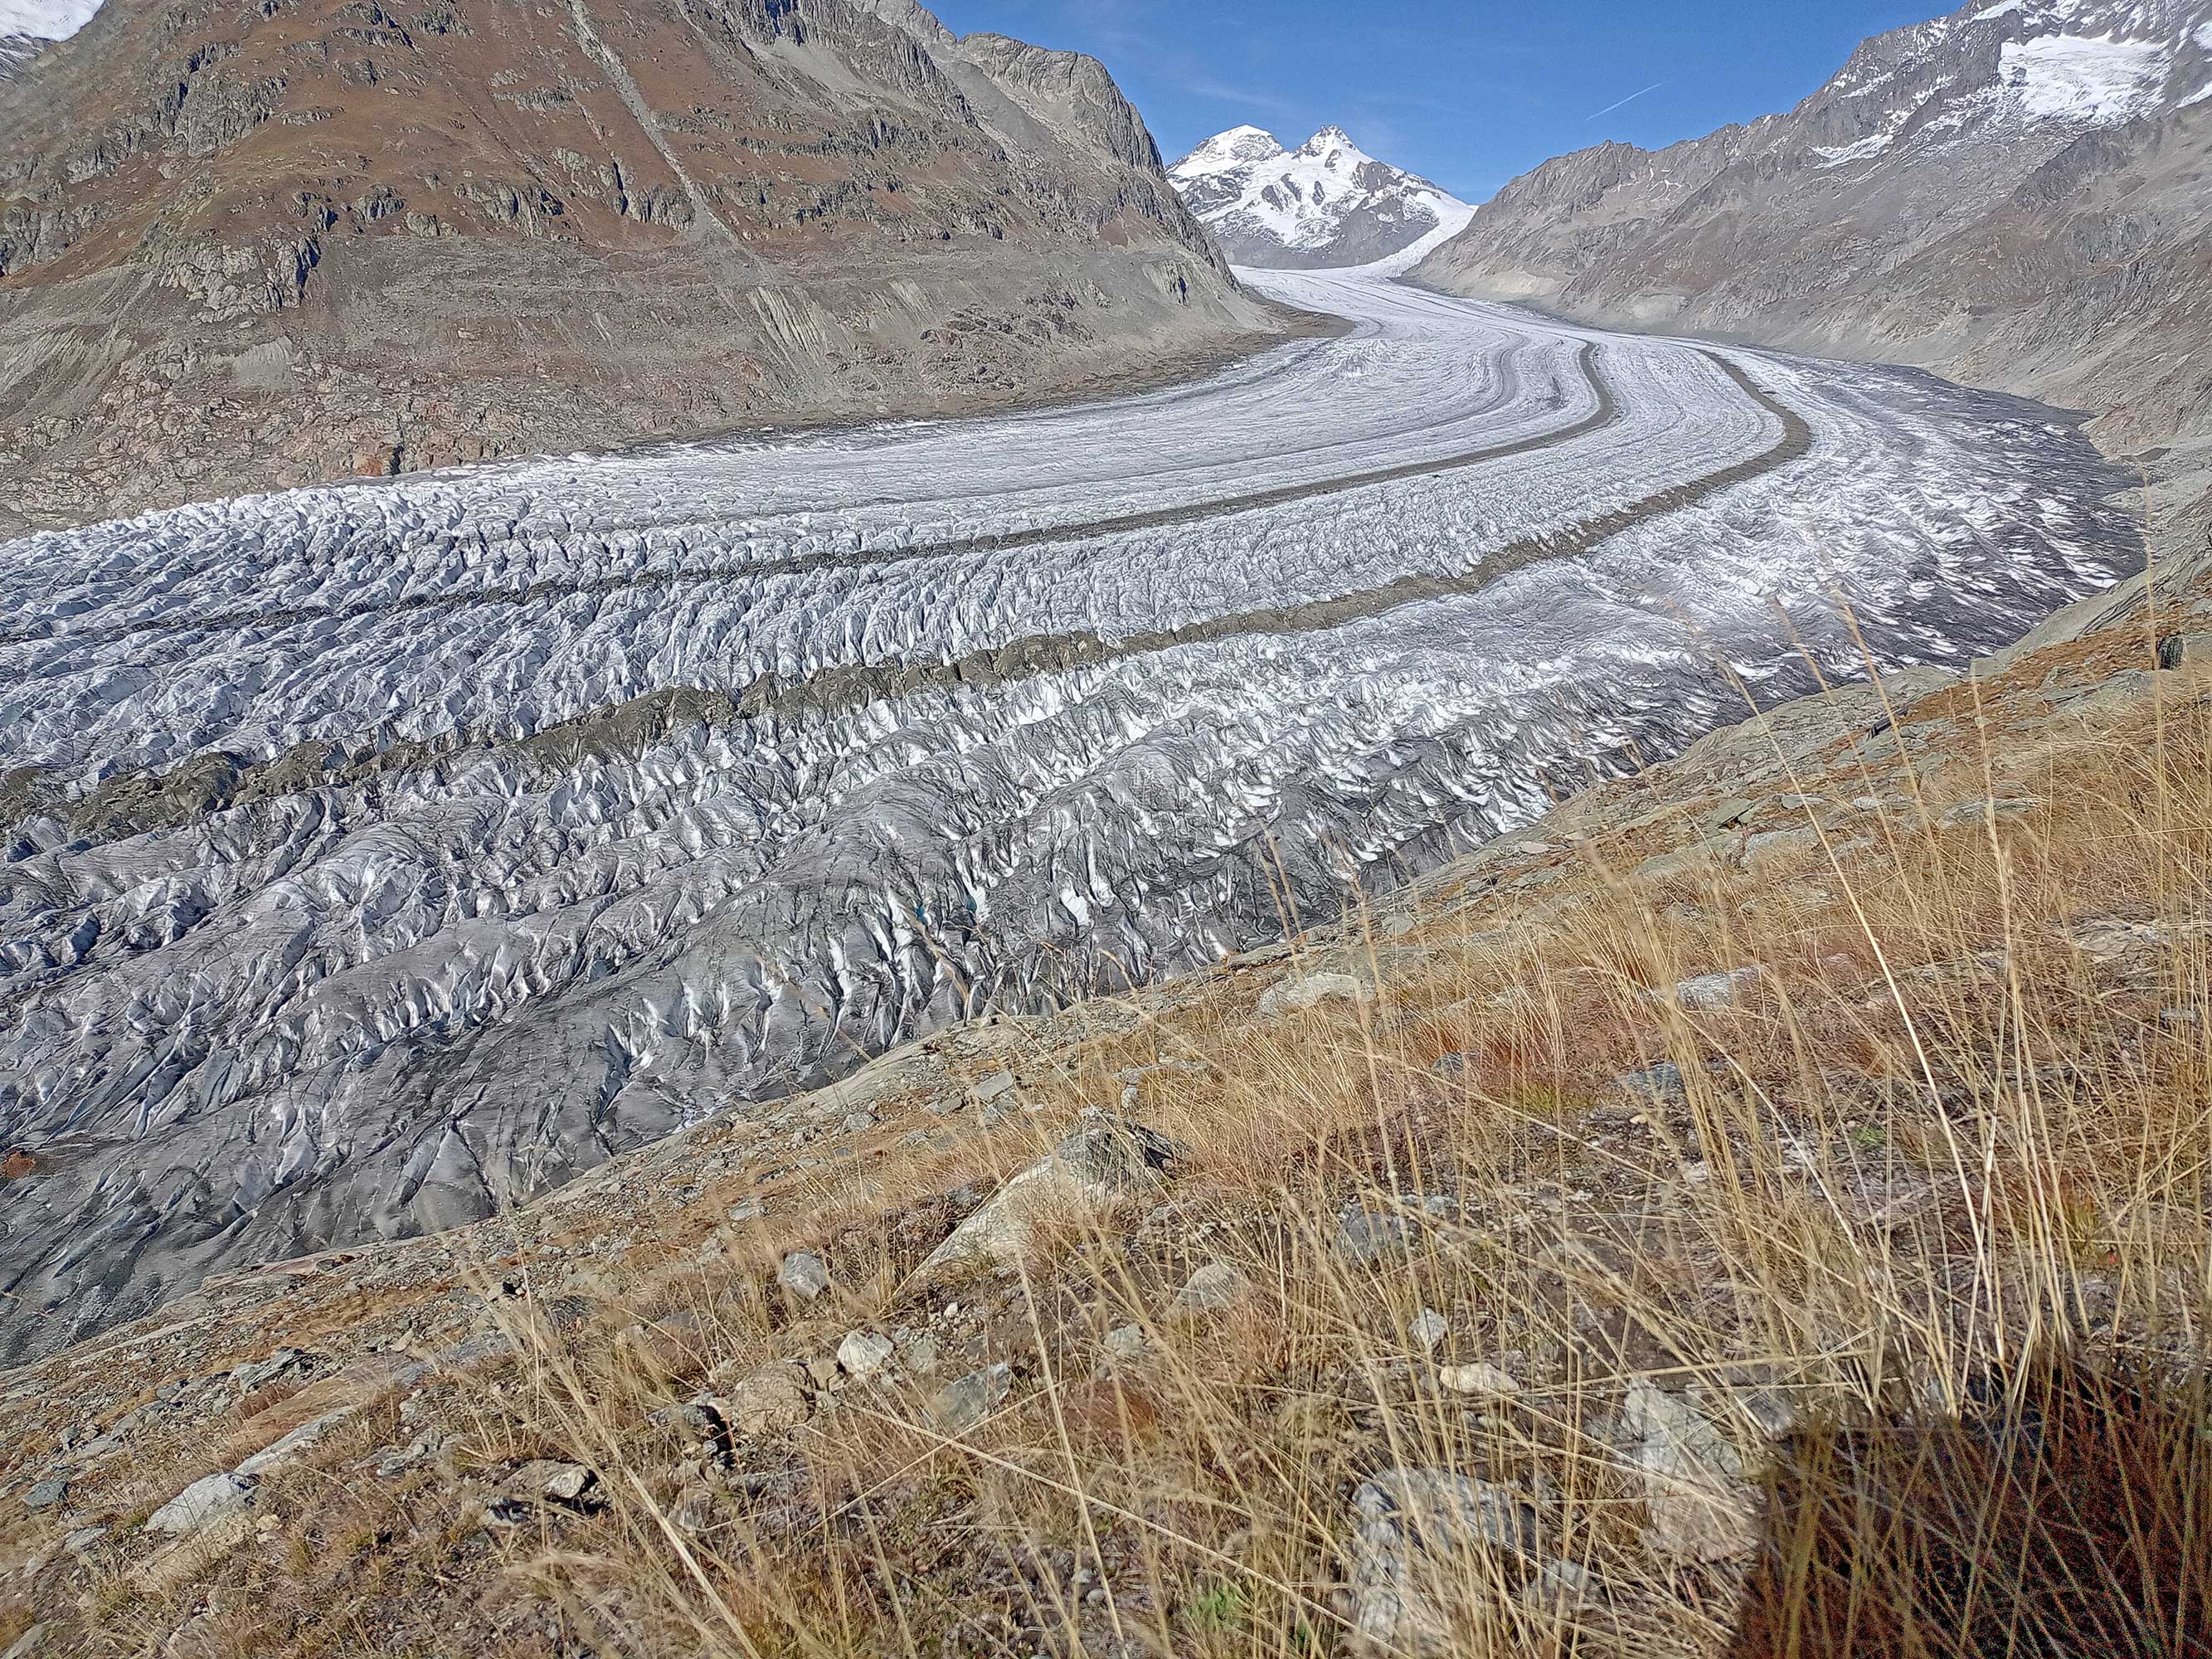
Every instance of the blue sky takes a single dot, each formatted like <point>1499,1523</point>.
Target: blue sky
<point>1468,92</point>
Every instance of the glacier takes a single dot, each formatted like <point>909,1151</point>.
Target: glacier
<point>382,854</point>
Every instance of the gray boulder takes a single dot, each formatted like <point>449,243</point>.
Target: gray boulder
<point>1417,1538</point>
<point>1697,1506</point>
<point>210,1498</point>
<point>1310,990</point>
<point>1105,1158</point>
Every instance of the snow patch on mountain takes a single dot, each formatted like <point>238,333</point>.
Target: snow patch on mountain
<point>2096,82</point>
<point>44,20</point>
<point>1329,202</point>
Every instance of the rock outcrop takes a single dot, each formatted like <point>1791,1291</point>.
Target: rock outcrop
<point>247,248</point>
<point>2014,195</point>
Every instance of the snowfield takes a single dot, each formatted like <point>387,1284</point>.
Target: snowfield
<point>380,854</point>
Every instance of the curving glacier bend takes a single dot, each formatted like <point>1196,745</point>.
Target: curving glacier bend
<point>380,854</point>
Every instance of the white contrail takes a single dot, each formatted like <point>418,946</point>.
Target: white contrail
<point>1630,98</point>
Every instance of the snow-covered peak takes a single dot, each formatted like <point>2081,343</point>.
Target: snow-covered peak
<point>1327,203</point>
<point>1224,152</point>
<point>1335,139</point>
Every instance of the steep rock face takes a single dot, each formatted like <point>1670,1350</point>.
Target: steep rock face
<point>2019,194</point>
<point>1326,204</point>
<point>310,238</point>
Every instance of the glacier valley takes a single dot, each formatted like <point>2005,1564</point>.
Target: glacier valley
<point>381,853</point>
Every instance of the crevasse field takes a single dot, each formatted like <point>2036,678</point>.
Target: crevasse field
<point>380,854</point>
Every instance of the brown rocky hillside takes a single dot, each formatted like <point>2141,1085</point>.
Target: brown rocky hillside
<point>243,246</point>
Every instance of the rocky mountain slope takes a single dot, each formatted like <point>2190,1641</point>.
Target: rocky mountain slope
<point>244,247</point>
<point>1326,204</point>
<point>2019,195</point>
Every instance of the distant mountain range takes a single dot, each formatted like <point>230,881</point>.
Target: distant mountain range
<point>1326,204</point>
<point>2018,195</point>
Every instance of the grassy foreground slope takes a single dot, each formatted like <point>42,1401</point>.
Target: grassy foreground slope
<point>1455,1278</point>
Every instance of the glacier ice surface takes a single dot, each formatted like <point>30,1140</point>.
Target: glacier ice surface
<point>384,853</point>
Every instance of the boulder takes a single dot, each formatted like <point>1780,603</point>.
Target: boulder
<point>1477,1377</point>
<point>961,1406</point>
<point>768,1401</point>
<point>1417,1538</point>
<point>1105,1158</point>
<point>1707,992</point>
<point>300,1440</point>
<point>862,1353</point>
<point>1697,1506</point>
<point>804,1275</point>
<point>210,1498</point>
<point>1213,1288</point>
<point>1299,993</point>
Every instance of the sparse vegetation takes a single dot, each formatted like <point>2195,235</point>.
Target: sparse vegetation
<point>1472,1316</point>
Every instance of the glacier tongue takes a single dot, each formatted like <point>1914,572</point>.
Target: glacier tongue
<point>380,854</point>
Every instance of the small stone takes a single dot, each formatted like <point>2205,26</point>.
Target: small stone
<point>804,1275</point>
<point>1366,1238</point>
<point>1213,1287</point>
<point>1707,992</point>
<point>856,1122</point>
<point>1428,1327</point>
<point>862,1353</point>
<point>1126,1342</point>
<point>210,1498</point>
<point>1477,1378</point>
<point>45,1494</point>
<point>748,1209</point>
<point>1662,1082</point>
<point>961,1406</point>
<point>770,1400</point>
<point>1298,995</point>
